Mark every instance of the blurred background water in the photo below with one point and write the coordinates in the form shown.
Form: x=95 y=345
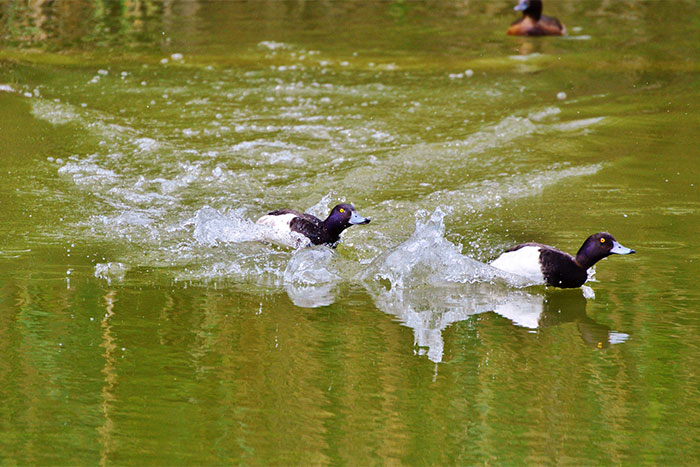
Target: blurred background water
x=143 y=320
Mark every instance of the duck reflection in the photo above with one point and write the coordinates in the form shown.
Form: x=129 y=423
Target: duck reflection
x=569 y=306
x=430 y=310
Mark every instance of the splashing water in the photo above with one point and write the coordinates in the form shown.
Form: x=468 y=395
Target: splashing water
x=212 y=227
x=147 y=184
x=311 y=266
x=427 y=257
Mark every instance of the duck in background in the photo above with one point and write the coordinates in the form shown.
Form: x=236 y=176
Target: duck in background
x=287 y=221
x=546 y=264
x=533 y=22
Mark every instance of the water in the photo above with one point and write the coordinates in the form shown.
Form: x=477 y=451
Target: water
x=145 y=320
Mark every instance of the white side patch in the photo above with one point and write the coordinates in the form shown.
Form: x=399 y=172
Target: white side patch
x=523 y=262
x=280 y=231
x=281 y=223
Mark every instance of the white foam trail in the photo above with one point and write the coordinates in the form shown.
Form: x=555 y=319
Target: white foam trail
x=86 y=172
x=151 y=208
x=540 y=115
x=54 y=112
x=483 y=148
x=575 y=125
x=427 y=257
x=212 y=227
x=492 y=193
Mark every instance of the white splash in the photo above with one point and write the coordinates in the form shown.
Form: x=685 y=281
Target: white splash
x=427 y=257
x=212 y=226
x=311 y=266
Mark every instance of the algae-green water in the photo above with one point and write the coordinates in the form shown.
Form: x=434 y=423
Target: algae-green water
x=144 y=322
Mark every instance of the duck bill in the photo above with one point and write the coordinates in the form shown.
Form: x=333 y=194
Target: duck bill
x=356 y=219
x=618 y=249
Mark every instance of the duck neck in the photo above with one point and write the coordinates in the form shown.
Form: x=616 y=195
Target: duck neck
x=534 y=10
x=333 y=229
x=583 y=260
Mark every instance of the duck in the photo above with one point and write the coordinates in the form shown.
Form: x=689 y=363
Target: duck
x=533 y=22
x=553 y=267
x=286 y=222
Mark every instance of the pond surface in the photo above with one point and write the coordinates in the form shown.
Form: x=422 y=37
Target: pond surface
x=143 y=320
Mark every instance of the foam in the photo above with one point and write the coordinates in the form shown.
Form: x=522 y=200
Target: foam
x=54 y=112
x=492 y=193
x=428 y=258
x=190 y=205
x=311 y=266
x=212 y=226
x=89 y=173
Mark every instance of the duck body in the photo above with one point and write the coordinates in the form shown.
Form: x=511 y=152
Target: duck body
x=286 y=222
x=553 y=267
x=534 y=23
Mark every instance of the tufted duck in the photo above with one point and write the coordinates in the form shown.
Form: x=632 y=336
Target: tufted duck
x=327 y=232
x=553 y=267
x=533 y=22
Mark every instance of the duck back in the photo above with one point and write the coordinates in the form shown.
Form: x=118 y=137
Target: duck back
x=545 y=26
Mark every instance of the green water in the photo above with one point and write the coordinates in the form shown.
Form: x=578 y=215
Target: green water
x=143 y=322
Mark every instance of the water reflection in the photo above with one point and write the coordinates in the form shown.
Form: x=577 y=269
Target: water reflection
x=429 y=311
x=108 y=397
x=74 y=22
x=104 y=21
x=569 y=306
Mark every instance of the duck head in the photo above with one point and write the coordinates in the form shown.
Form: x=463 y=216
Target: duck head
x=343 y=216
x=597 y=247
x=531 y=8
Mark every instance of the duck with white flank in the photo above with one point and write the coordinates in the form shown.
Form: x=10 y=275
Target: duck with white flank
x=546 y=264
x=318 y=232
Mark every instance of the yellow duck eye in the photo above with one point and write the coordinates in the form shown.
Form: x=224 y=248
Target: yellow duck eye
x=602 y=240
x=341 y=210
